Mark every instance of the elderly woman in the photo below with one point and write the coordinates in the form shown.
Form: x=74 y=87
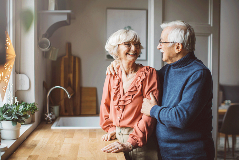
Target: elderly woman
x=123 y=93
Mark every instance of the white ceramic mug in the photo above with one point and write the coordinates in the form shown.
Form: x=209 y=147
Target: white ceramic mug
x=44 y=44
x=51 y=5
x=52 y=53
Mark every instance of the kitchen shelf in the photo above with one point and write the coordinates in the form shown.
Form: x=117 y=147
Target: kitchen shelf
x=50 y=21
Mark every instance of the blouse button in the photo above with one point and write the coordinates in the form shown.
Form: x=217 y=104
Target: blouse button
x=120 y=109
x=119 y=117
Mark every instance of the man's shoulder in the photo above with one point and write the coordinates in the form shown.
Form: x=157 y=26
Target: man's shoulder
x=198 y=65
x=200 y=70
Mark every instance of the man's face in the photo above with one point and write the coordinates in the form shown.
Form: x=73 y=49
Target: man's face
x=169 y=54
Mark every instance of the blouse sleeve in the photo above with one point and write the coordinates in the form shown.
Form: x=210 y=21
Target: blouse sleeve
x=105 y=122
x=146 y=125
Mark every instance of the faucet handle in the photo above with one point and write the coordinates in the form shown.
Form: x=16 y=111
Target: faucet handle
x=48 y=117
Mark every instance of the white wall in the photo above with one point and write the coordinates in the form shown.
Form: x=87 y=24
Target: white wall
x=229 y=40
x=87 y=34
x=29 y=60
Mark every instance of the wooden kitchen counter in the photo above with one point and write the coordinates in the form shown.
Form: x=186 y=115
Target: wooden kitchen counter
x=66 y=144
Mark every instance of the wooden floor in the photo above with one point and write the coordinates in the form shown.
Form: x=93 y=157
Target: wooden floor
x=45 y=143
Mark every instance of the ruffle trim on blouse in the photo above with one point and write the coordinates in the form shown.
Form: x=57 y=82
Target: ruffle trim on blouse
x=127 y=98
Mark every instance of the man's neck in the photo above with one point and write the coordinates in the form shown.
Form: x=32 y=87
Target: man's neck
x=182 y=54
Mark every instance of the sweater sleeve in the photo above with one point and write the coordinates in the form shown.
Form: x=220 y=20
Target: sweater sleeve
x=144 y=128
x=105 y=121
x=196 y=94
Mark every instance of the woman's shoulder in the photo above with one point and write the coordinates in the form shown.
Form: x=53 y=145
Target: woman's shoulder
x=147 y=69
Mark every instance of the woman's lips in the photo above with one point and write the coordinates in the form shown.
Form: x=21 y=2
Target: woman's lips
x=131 y=54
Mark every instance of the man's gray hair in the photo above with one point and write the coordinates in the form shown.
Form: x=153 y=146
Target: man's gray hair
x=181 y=32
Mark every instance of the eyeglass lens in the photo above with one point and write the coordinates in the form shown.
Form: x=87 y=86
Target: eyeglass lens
x=128 y=45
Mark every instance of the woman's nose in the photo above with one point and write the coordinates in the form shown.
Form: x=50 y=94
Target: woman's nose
x=132 y=47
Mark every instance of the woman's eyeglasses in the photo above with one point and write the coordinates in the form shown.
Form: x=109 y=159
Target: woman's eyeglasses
x=128 y=45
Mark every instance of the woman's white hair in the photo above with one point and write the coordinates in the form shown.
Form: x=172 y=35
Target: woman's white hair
x=181 y=32
x=119 y=37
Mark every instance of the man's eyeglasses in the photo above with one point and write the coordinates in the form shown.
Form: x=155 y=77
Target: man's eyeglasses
x=128 y=45
x=160 y=41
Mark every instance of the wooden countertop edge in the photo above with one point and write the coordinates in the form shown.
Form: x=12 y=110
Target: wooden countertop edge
x=44 y=143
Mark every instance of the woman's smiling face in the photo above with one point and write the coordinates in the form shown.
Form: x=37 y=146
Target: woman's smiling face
x=129 y=51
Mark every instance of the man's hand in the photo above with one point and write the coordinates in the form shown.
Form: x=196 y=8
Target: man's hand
x=118 y=147
x=109 y=136
x=113 y=67
x=148 y=104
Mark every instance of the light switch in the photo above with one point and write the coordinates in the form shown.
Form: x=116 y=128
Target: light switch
x=22 y=82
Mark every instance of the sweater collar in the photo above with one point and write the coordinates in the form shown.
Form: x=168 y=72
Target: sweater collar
x=190 y=57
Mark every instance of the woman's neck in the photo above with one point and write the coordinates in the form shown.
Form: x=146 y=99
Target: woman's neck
x=129 y=67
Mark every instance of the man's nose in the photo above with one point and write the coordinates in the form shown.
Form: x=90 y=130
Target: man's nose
x=159 y=46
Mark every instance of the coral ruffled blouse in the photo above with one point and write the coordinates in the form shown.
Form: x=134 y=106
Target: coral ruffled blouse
x=124 y=110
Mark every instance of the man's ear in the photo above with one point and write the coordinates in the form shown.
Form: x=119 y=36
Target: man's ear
x=178 y=47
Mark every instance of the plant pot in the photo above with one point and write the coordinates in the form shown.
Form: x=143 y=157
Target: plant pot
x=8 y=131
x=29 y=120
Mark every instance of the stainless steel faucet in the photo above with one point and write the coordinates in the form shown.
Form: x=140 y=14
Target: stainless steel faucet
x=49 y=115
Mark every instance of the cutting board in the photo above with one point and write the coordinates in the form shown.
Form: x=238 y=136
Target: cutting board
x=66 y=73
x=88 y=100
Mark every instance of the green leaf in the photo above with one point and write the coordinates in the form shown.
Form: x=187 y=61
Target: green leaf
x=26 y=116
x=17 y=113
x=1 y=108
x=14 y=123
x=27 y=18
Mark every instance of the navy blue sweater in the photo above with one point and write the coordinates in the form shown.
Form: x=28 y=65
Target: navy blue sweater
x=185 y=116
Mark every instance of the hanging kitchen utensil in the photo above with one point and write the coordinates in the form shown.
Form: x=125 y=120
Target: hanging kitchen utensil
x=66 y=73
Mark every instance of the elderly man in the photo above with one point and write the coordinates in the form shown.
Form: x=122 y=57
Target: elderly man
x=184 y=119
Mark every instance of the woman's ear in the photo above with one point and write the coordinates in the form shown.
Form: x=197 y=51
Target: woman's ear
x=178 y=47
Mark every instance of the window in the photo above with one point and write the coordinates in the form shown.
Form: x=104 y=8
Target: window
x=7 y=8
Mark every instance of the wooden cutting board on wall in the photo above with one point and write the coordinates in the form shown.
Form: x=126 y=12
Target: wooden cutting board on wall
x=66 y=73
x=88 y=100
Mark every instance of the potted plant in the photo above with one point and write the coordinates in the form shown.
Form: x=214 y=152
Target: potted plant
x=28 y=108
x=11 y=118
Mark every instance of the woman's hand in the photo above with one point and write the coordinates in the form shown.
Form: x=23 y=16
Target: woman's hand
x=113 y=67
x=118 y=147
x=109 y=136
